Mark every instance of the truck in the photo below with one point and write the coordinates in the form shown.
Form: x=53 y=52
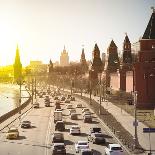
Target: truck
x=57 y=116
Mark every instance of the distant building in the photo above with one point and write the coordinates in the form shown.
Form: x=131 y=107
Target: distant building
x=37 y=67
x=144 y=67
x=64 y=58
x=113 y=59
x=84 y=65
x=97 y=65
x=17 y=66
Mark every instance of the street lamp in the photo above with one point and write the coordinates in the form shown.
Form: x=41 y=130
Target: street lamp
x=91 y=72
x=135 y=120
x=20 y=82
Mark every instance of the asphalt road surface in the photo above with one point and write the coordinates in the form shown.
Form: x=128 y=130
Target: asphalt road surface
x=37 y=139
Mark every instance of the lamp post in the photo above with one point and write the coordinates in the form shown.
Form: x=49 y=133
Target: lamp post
x=20 y=82
x=90 y=85
x=100 y=76
x=135 y=119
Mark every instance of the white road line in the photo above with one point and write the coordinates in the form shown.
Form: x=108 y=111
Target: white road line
x=47 y=139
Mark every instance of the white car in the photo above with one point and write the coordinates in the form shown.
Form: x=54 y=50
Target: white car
x=114 y=149
x=81 y=145
x=75 y=130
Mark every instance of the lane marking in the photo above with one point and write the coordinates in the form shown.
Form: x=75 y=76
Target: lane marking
x=47 y=139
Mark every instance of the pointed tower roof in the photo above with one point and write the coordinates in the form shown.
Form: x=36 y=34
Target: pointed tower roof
x=17 y=57
x=126 y=40
x=83 y=54
x=112 y=44
x=96 y=47
x=51 y=62
x=150 y=29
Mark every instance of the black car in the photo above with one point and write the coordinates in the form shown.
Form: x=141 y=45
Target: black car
x=95 y=129
x=57 y=137
x=26 y=124
x=58 y=148
x=60 y=126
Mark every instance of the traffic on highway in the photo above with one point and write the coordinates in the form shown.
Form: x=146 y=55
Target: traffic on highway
x=57 y=124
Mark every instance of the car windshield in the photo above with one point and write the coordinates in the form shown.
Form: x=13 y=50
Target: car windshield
x=82 y=143
x=75 y=127
x=116 y=148
x=86 y=153
x=13 y=130
x=26 y=121
x=59 y=147
x=98 y=135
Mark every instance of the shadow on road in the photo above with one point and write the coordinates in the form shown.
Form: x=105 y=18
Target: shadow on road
x=68 y=142
x=107 y=136
x=70 y=123
x=95 y=152
x=83 y=135
x=94 y=122
x=21 y=137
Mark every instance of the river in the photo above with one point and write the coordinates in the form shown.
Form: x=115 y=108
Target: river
x=9 y=97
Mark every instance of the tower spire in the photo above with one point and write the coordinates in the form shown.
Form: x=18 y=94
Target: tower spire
x=17 y=66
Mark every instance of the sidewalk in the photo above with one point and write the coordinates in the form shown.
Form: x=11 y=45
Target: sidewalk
x=127 y=122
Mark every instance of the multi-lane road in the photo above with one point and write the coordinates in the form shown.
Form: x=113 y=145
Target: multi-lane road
x=37 y=139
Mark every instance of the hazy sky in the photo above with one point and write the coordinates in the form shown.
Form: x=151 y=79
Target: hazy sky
x=42 y=27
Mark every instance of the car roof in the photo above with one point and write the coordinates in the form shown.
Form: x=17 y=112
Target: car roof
x=114 y=145
x=82 y=141
x=57 y=144
x=86 y=150
x=73 y=126
x=13 y=128
x=26 y=121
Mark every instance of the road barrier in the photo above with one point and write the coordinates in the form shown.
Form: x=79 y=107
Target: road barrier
x=14 y=111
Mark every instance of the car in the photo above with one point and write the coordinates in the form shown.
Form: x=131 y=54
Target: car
x=57 y=107
x=57 y=137
x=67 y=101
x=96 y=138
x=69 y=96
x=26 y=124
x=87 y=118
x=81 y=145
x=86 y=113
x=114 y=149
x=79 y=105
x=60 y=126
x=63 y=98
x=95 y=129
x=69 y=106
x=74 y=116
x=36 y=105
x=57 y=102
x=58 y=148
x=86 y=152
x=85 y=109
x=72 y=111
x=56 y=98
x=72 y=98
x=75 y=130
x=13 y=133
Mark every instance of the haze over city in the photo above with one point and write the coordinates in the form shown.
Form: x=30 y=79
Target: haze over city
x=41 y=28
